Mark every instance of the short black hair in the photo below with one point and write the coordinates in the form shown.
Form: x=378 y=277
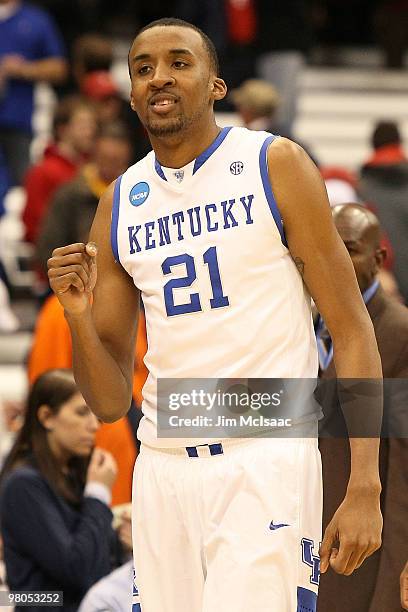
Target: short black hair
x=208 y=43
x=385 y=133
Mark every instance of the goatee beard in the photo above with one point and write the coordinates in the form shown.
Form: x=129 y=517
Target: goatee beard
x=173 y=126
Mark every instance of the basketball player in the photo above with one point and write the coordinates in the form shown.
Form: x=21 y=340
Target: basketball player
x=220 y=231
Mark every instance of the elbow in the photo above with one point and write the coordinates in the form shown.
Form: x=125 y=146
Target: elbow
x=109 y=414
x=112 y=418
x=109 y=402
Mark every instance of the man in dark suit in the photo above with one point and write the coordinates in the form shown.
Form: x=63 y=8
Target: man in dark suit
x=375 y=586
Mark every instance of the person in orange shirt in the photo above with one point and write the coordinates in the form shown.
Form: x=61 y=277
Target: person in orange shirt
x=52 y=348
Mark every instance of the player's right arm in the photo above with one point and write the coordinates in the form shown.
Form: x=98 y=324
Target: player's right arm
x=104 y=333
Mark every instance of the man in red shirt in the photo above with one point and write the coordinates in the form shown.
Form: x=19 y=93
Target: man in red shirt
x=74 y=135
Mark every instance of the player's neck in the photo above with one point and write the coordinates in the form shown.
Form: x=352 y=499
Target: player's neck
x=180 y=149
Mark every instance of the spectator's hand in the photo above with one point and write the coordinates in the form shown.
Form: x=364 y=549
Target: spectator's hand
x=102 y=468
x=125 y=532
x=357 y=526
x=404 y=587
x=72 y=275
x=14 y=67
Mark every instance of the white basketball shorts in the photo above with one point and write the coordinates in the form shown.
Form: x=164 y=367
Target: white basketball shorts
x=233 y=526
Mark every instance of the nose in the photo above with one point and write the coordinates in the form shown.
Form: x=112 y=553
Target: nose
x=93 y=424
x=161 y=77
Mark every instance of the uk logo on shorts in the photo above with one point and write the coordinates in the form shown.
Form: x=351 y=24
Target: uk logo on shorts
x=312 y=560
x=139 y=194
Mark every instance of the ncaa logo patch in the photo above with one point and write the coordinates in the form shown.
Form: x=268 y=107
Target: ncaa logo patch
x=139 y=194
x=236 y=167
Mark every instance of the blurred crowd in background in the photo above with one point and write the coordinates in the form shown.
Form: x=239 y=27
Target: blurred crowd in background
x=58 y=153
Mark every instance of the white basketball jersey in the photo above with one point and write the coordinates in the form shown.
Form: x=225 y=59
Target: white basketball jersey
x=205 y=245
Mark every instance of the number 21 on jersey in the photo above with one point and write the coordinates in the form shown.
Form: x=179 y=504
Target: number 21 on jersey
x=218 y=300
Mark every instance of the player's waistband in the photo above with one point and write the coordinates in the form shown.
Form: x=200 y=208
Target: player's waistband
x=219 y=448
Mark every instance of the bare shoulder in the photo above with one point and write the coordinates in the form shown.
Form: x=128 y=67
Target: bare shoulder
x=104 y=210
x=101 y=227
x=285 y=148
x=100 y=232
x=296 y=181
x=286 y=156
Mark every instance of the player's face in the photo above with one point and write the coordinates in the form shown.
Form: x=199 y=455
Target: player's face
x=71 y=431
x=173 y=85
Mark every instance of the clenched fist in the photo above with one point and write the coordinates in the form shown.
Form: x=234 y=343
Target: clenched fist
x=72 y=275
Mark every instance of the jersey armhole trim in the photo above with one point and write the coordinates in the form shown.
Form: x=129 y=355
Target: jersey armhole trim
x=115 y=218
x=263 y=165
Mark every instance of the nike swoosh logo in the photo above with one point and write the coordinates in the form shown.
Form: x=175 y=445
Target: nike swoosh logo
x=272 y=526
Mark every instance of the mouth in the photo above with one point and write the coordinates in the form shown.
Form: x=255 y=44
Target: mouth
x=89 y=443
x=162 y=104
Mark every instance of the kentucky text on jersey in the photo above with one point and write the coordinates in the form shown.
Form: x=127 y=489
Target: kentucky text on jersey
x=175 y=227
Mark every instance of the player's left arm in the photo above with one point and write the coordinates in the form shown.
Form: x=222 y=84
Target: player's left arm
x=327 y=270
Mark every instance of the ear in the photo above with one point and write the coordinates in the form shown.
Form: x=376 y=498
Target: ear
x=219 y=89
x=132 y=103
x=46 y=417
x=380 y=257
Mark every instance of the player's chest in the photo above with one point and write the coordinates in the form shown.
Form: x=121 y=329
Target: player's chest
x=187 y=223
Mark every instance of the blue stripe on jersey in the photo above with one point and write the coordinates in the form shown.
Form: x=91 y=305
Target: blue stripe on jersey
x=115 y=218
x=263 y=164
x=202 y=158
x=159 y=169
x=306 y=600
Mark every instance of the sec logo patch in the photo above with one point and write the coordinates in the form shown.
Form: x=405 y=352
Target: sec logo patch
x=139 y=194
x=236 y=168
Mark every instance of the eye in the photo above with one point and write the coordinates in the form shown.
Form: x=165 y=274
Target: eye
x=83 y=411
x=144 y=70
x=179 y=64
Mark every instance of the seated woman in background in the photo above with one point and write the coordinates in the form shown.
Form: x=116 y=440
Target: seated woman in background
x=55 y=491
